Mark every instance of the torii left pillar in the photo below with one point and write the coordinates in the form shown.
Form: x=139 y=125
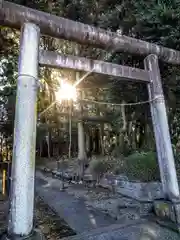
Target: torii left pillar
x=20 y=223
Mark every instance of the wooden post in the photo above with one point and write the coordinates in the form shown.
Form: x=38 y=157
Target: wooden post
x=161 y=130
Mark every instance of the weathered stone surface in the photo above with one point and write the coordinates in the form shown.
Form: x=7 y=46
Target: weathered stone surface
x=14 y=16
x=167 y=210
x=136 y=230
x=141 y=191
x=36 y=235
x=138 y=190
x=73 y=210
x=121 y=209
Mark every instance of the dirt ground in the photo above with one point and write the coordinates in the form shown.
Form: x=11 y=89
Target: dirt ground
x=112 y=204
x=44 y=219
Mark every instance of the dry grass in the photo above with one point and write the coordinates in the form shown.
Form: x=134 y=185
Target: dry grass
x=49 y=223
x=45 y=219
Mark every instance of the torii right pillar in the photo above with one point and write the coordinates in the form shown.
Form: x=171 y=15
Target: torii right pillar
x=163 y=144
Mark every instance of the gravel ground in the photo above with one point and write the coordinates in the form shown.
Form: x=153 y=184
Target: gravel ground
x=3 y=213
x=112 y=204
x=120 y=208
x=49 y=223
x=45 y=219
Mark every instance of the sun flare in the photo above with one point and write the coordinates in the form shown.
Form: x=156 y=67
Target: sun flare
x=66 y=92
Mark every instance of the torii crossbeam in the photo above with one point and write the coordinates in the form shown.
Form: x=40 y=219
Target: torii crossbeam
x=13 y=15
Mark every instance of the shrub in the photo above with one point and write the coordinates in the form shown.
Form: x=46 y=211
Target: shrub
x=62 y=164
x=140 y=166
x=115 y=163
x=98 y=167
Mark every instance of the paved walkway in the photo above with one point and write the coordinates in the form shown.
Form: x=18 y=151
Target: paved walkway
x=136 y=230
x=74 y=211
x=91 y=224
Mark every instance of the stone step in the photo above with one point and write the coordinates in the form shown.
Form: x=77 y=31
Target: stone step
x=135 y=230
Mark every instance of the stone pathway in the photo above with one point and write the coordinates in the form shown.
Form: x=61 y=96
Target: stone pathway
x=136 y=230
x=74 y=211
x=92 y=224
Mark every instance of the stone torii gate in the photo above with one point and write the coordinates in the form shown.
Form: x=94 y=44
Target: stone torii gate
x=33 y=23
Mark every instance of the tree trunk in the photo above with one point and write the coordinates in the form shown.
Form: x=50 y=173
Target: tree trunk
x=81 y=148
x=40 y=148
x=1 y=147
x=81 y=142
x=7 y=150
x=70 y=129
x=102 y=138
x=48 y=144
x=81 y=139
x=150 y=141
x=134 y=138
x=88 y=141
x=97 y=141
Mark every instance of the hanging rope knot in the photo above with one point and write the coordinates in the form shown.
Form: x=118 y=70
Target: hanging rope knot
x=159 y=97
x=37 y=85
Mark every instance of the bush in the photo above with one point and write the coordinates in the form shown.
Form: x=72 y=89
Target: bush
x=140 y=166
x=62 y=164
x=98 y=167
x=176 y=153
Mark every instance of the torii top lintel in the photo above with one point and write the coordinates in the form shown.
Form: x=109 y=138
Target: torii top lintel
x=13 y=15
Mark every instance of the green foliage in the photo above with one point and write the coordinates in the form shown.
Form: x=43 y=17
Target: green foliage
x=98 y=167
x=63 y=164
x=176 y=154
x=115 y=164
x=155 y=21
x=140 y=166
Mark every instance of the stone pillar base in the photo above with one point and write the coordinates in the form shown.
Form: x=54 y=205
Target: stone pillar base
x=168 y=213
x=35 y=235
